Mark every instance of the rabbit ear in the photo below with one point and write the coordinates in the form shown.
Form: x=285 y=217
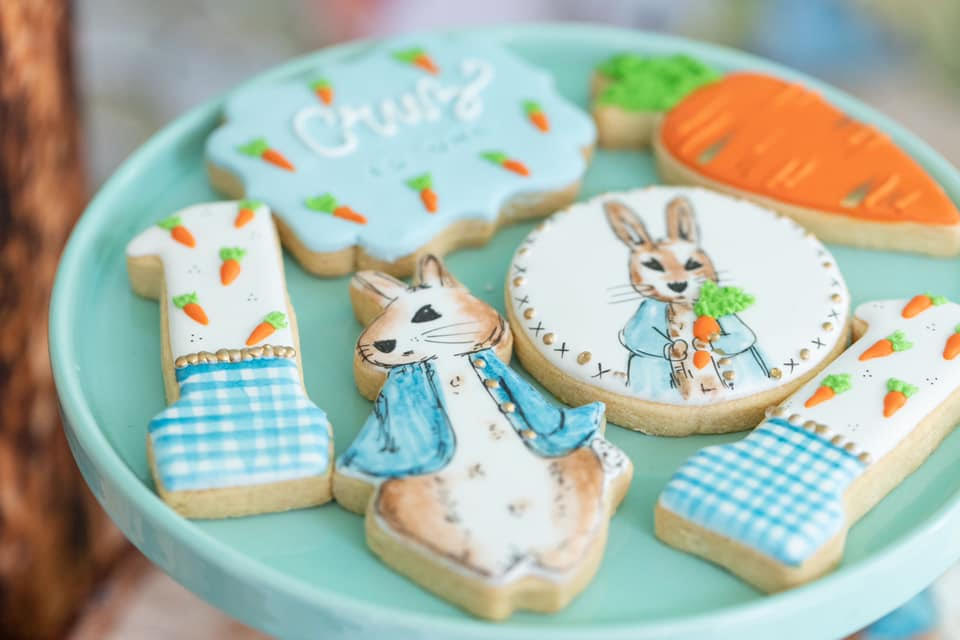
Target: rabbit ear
x=371 y=291
x=626 y=224
x=681 y=221
x=431 y=272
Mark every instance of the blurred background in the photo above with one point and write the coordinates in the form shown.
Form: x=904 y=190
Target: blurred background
x=83 y=84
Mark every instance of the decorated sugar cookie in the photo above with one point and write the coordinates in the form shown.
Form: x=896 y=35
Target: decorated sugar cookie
x=684 y=310
x=784 y=146
x=413 y=146
x=473 y=484
x=775 y=507
x=240 y=435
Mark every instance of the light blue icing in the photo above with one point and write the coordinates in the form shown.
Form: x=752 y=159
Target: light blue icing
x=238 y=424
x=649 y=370
x=372 y=179
x=779 y=490
x=409 y=431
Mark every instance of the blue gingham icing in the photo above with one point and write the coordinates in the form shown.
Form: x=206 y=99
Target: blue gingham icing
x=779 y=490
x=237 y=424
x=475 y=104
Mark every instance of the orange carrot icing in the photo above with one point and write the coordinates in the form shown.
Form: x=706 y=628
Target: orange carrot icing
x=780 y=140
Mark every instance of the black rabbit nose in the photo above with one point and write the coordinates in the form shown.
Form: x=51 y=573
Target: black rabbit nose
x=385 y=346
x=677 y=286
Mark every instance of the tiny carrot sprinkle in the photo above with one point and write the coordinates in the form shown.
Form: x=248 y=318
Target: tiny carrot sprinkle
x=230 y=268
x=271 y=322
x=920 y=303
x=327 y=203
x=190 y=305
x=829 y=387
x=952 y=348
x=701 y=359
x=178 y=232
x=259 y=148
x=424 y=185
x=245 y=212
x=323 y=90
x=893 y=343
x=536 y=115
x=505 y=161
x=418 y=57
x=898 y=392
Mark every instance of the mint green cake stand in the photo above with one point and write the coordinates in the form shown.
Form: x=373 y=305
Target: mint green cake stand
x=308 y=574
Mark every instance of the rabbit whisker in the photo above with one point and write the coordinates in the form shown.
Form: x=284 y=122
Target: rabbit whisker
x=626 y=300
x=450 y=341
x=452 y=335
x=448 y=326
x=619 y=286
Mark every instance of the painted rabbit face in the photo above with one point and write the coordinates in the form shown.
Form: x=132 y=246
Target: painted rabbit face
x=435 y=318
x=671 y=270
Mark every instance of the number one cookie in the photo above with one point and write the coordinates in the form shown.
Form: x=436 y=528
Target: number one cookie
x=240 y=435
x=775 y=507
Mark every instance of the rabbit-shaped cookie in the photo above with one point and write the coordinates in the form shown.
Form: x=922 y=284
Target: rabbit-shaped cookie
x=473 y=485
x=676 y=337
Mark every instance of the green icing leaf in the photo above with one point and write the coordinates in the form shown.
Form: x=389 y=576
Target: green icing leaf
x=249 y=204
x=530 y=107
x=421 y=182
x=899 y=385
x=183 y=300
x=838 y=382
x=640 y=83
x=898 y=340
x=170 y=223
x=716 y=301
x=232 y=253
x=408 y=55
x=324 y=203
x=937 y=300
x=320 y=83
x=255 y=147
x=277 y=319
x=956 y=329
x=496 y=157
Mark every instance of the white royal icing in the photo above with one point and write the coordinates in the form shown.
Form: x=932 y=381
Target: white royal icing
x=233 y=310
x=573 y=273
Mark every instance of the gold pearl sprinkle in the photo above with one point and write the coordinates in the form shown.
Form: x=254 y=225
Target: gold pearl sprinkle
x=508 y=407
x=724 y=362
x=529 y=313
x=779 y=412
x=256 y=352
x=267 y=351
x=821 y=429
x=827 y=265
x=193 y=359
x=810 y=424
x=491 y=383
x=223 y=355
x=828 y=326
x=235 y=355
x=836 y=298
x=549 y=338
x=865 y=457
x=804 y=354
x=836 y=440
x=523 y=251
x=529 y=434
x=480 y=362
x=850 y=447
x=775 y=373
x=583 y=357
x=768 y=412
x=729 y=375
x=180 y=362
x=795 y=418
x=519 y=281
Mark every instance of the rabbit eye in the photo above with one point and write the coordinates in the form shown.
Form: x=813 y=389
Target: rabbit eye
x=426 y=313
x=692 y=264
x=653 y=263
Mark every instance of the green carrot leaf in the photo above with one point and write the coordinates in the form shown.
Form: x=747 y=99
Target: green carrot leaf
x=277 y=319
x=903 y=387
x=530 y=107
x=496 y=157
x=232 y=253
x=408 y=55
x=898 y=340
x=255 y=147
x=838 y=382
x=937 y=300
x=320 y=83
x=716 y=301
x=170 y=223
x=324 y=203
x=421 y=182
x=184 y=299
x=249 y=204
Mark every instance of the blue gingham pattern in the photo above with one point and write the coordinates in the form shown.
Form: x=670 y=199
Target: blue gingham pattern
x=238 y=424
x=779 y=490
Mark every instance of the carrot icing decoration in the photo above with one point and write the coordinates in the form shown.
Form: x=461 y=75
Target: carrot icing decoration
x=898 y=392
x=780 y=140
x=894 y=343
x=190 y=305
x=536 y=115
x=323 y=90
x=920 y=303
x=258 y=148
x=505 y=161
x=271 y=322
x=178 y=232
x=423 y=184
x=245 y=212
x=830 y=386
x=418 y=57
x=230 y=268
x=952 y=349
x=327 y=203
x=715 y=302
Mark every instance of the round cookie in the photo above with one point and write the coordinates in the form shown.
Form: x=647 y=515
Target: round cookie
x=684 y=310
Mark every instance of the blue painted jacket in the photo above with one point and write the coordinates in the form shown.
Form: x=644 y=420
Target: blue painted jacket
x=648 y=367
x=409 y=432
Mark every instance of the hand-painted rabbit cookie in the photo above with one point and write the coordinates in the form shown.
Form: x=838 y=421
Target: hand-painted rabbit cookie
x=775 y=507
x=683 y=310
x=473 y=484
x=412 y=147
x=240 y=435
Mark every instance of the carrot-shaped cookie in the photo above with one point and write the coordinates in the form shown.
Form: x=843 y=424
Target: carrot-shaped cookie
x=189 y=304
x=245 y=211
x=178 y=232
x=327 y=203
x=893 y=343
x=259 y=148
x=830 y=386
x=418 y=57
x=898 y=392
x=536 y=115
x=423 y=184
x=230 y=268
x=323 y=89
x=505 y=161
x=714 y=302
x=952 y=349
x=920 y=303
x=273 y=321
